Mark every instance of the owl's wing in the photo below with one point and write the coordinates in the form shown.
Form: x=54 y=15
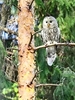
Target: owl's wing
x=58 y=48
x=51 y=51
x=41 y=34
x=59 y=34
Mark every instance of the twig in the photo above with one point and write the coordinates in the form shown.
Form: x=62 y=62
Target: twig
x=31 y=4
x=34 y=77
x=30 y=39
x=54 y=44
x=31 y=81
x=11 y=48
x=37 y=32
x=8 y=31
x=40 y=85
x=8 y=59
x=8 y=52
x=16 y=7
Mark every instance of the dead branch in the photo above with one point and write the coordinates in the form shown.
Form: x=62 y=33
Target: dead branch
x=8 y=31
x=12 y=48
x=37 y=72
x=54 y=44
x=40 y=85
x=8 y=52
x=30 y=6
x=37 y=32
x=6 y=58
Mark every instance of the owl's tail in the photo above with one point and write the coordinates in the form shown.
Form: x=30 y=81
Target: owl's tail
x=51 y=59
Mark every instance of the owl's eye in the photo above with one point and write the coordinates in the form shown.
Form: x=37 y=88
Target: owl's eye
x=50 y=21
x=46 y=22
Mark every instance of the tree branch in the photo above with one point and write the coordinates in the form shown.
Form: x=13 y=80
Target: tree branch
x=40 y=85
x=54 y=44
x=12 y=48
x=37 y=32
x=8 y=31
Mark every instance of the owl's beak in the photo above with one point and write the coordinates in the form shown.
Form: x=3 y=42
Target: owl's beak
x=48 y=25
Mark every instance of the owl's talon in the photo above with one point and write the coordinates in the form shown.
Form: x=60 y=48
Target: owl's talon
x=49 y=42
x=54 y=42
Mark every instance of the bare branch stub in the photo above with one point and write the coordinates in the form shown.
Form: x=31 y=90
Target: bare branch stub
x=30 y=5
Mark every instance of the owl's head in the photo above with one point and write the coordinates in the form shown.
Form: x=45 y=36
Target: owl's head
x=49 y=22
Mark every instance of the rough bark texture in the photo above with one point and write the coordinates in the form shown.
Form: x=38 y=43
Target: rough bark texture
x=26 y=56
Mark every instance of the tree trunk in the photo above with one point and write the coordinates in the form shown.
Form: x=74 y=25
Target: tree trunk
x=26 y=54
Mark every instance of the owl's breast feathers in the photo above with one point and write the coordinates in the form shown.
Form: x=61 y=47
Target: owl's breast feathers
x=50 y=34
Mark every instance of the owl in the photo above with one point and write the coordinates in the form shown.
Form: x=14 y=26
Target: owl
x=50 y=34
